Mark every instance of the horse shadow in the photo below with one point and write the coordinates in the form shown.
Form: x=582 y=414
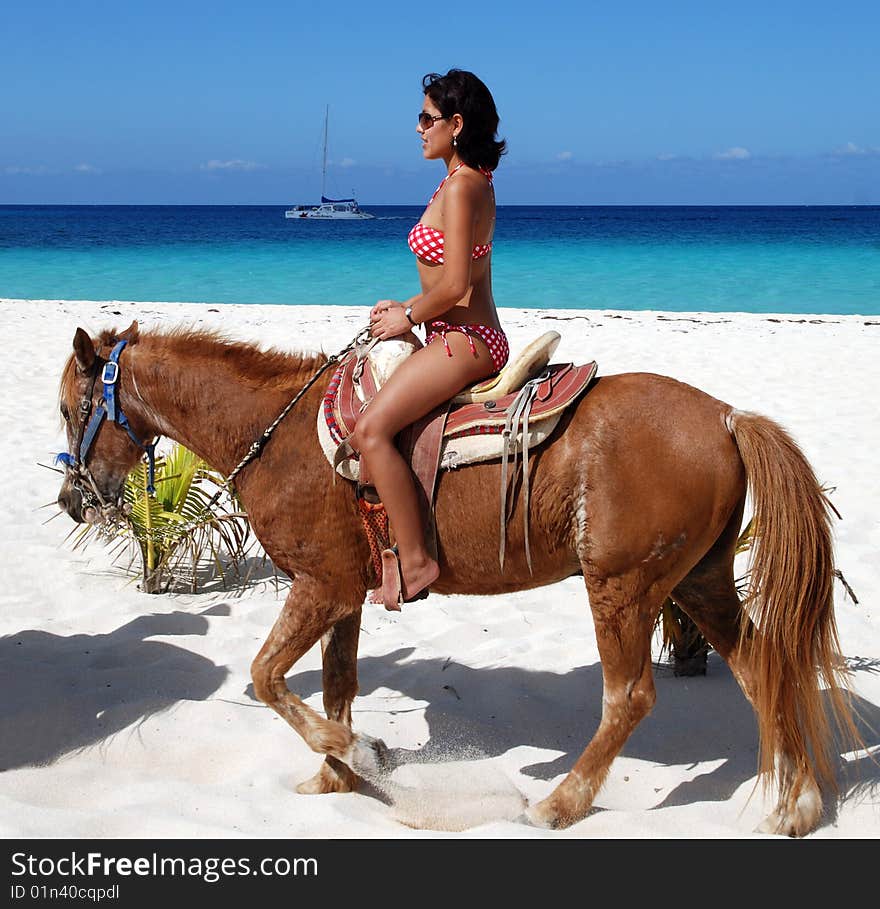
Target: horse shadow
x=65 y=693
x=474 y=713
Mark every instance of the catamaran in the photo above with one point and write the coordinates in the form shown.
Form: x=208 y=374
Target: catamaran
x=337 y=209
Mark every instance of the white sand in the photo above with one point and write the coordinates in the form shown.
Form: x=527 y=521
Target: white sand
x=128 y=715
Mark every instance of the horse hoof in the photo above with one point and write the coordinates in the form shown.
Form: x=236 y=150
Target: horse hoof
x=797 y=819
x=368 y=757
x=329 y=779
x=523 y=820
x=776 y=825
x=538 y=816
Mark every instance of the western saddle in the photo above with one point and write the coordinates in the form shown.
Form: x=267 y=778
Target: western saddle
x=498 y=419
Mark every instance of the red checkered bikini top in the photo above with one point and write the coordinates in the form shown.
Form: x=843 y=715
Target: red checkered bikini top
x=427 y=242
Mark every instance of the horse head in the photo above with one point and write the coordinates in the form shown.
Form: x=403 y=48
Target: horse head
x=99 y=457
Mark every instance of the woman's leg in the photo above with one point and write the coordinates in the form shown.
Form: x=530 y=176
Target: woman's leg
x=422 y=382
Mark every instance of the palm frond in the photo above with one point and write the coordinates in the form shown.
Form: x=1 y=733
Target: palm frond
x=175 y=535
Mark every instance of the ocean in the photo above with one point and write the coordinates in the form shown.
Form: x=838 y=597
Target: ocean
x=779 y=259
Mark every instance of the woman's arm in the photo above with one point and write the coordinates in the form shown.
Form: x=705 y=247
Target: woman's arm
x=461 y=201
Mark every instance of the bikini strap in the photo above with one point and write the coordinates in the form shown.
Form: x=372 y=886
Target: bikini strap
x=484 y=171
x=443 y=181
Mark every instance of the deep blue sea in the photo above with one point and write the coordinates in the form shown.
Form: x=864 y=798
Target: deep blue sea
x=798 y=259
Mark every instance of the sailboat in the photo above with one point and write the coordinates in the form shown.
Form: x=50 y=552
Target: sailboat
x=329 y=209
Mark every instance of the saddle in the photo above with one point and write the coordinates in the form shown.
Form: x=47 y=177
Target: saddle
x=505 y=416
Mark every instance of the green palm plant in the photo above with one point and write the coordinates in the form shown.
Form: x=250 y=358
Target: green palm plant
x=180 y=530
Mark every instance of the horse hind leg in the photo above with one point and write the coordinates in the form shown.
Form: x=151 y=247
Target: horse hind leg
x=708 y=595
x=624 y=622
x=339 y=659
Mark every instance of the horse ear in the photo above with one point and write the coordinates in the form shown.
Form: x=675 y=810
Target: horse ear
x=131 y=334
x=84 y=350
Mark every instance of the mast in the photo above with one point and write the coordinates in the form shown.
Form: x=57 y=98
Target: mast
x=324 y=167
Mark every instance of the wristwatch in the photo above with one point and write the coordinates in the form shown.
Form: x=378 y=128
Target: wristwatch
x=408 y=313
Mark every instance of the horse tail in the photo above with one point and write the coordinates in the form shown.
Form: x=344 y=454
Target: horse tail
x=791 y=643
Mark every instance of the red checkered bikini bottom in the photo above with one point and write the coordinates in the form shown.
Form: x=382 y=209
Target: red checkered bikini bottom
x=494 y=339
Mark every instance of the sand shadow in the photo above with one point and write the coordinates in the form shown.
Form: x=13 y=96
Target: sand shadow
x=479 y=713
x=63 y=693
x=232 y=578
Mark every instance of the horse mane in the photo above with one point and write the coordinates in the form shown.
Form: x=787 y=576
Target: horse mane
x=253 y=364
x=249 y=360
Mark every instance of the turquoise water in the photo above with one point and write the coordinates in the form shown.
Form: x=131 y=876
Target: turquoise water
x=763 y=259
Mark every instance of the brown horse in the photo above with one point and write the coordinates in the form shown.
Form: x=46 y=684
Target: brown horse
x=640 y=490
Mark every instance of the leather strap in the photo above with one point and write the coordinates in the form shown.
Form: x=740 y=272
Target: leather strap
x=421 y=444
x=517 y=413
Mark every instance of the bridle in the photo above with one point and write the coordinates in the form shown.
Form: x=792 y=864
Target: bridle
x=90 y=423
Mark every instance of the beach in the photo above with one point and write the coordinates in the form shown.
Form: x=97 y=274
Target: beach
x=133 y=716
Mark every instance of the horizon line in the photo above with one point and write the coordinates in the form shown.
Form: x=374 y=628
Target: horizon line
x=364 y=205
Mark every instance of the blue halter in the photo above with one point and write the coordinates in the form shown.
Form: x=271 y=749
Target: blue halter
x=109 y=408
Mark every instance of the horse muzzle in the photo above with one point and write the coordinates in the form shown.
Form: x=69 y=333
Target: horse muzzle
x=86 y=506
x=70 y=500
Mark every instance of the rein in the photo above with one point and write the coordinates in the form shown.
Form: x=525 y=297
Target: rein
x=259 y=444
x=257 y=447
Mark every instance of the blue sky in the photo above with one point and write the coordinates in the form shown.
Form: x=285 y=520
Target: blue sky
x=624 y=103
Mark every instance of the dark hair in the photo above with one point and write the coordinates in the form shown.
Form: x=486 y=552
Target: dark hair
x=461 y=92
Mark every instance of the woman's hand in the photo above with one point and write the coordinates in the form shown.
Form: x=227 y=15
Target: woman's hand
x=388 y=320
x=382 y=306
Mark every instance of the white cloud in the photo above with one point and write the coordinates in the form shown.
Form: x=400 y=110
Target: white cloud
x=347 y=162
x=38 y=171
x=235 y=164
x=565 y=156
x=733 y=154
x=667 y=157
x=851 y=149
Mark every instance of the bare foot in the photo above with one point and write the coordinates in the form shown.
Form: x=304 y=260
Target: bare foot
x=419 y=578
x=399 y=586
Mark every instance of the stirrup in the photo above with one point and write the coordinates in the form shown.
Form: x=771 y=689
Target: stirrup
x=392 y=582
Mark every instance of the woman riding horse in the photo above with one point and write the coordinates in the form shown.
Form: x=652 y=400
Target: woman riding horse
x=453 y=247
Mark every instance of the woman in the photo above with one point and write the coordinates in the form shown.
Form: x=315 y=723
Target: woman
x=464 y=342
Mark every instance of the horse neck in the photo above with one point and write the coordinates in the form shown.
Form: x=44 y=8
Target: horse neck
x=212 y=397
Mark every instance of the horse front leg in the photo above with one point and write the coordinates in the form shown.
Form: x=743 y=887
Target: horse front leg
x=310 y=611
x=340 y=685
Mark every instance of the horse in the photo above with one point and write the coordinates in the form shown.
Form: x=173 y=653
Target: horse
x=640 y=490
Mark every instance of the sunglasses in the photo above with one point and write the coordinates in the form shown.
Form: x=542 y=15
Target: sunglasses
x=426 y=120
